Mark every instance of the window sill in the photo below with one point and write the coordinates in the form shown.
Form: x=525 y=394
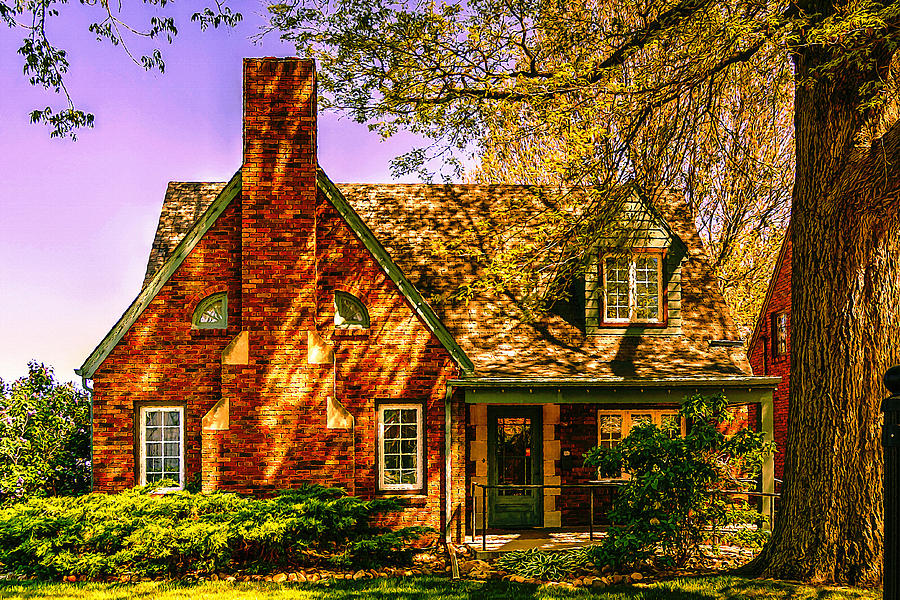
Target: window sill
x=409 y=494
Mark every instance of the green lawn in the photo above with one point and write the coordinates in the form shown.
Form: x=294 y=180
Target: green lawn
x=700 y=588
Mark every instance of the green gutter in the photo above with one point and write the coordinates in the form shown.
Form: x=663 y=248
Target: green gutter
x=201 y=226
x=409 y=291
x=614 y=382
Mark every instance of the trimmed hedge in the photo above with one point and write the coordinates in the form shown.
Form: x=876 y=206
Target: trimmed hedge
x=150 y=535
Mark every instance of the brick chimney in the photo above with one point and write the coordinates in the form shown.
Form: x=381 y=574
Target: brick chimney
x=278 y=202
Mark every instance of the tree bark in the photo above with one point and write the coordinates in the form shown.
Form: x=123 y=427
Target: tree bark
x=845 y=332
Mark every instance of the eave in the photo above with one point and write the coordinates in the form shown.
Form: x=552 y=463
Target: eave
x=612 y=390
x=409 y=291
x=231 y=190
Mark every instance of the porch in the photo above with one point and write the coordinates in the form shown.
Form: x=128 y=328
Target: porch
x=532 y=437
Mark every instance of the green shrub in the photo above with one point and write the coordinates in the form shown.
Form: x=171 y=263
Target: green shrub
x=45 y=439
x=674 y=500
x=549 y=566
x=151 y=535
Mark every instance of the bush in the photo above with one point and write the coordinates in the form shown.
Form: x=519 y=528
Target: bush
x=549 y=566
x=45 y=440
x=151 y=535
x=674 y=500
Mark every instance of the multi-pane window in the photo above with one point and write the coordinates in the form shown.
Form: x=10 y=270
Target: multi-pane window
x=211 y=312
x=349 y=311
x=631 y=288
x=400 y=447
x=779 y=334
x=615 y=425
x=162 y=444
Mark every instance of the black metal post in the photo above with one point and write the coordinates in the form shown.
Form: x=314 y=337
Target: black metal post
x=890 y=439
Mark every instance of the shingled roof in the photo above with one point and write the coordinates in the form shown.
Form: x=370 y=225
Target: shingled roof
x=417 y=222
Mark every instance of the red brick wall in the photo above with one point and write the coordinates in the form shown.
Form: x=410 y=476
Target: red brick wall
x=760 y=353
x=161 y=359
x=281 y=252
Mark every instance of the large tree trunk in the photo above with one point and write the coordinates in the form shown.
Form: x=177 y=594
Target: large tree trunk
x=845 y=320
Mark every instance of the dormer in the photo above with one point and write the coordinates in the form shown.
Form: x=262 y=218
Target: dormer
x=633 y=282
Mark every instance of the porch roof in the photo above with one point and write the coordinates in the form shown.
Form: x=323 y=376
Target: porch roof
x=612 y=390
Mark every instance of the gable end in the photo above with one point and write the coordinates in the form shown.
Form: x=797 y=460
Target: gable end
x=168 y=268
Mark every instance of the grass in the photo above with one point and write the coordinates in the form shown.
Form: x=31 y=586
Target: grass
x=693 y=588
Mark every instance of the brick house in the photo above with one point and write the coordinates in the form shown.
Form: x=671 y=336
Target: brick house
x=293 y=330
x=769 y=349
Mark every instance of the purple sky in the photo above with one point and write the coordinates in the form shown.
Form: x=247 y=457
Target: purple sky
x=77 y=218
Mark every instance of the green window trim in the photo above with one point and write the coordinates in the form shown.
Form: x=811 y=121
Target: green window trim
x=349 y=311
x=211 y=312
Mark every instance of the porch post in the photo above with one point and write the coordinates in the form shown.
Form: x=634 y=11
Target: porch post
x=767 y=422
x=448 y=480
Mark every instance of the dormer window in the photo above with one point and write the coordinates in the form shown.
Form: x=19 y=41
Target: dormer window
x=632 y=288
x=349 y=311
x=211 y=312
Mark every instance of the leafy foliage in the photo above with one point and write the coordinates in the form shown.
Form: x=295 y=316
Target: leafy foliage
x=147 y=534
x=621 y=98
x=675 y=495
x=45 y=440
x=46 y=65
x=549 y=566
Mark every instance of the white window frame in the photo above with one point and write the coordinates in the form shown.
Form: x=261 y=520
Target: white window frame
x=420 y=447
x=142 y=428
x=632 y=288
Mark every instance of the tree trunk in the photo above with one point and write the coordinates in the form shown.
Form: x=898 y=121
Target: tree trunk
x=845 y=332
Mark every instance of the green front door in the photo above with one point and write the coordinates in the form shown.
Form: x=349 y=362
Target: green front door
x=515 y=440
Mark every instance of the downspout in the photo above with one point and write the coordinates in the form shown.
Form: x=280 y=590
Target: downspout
x=84 y=384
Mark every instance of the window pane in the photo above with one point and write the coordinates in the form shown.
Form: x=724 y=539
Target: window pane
x=640 y=419
x=408 y=415
x=392 y=447
x=151 y=477
x=171 y=434
x=670 y=424
x=408 y=477
x=391 y=462
x=171 y=465
x=173 y=418
x=408 y=461
x=152 y=418
x=214 y=312
x=154 y=434
x=616 y=272
x=646 y=288
x=154 y=465
x=391 y=415
x=408 y=431
x=154 y=449
x=171 y=448
x=610 y=430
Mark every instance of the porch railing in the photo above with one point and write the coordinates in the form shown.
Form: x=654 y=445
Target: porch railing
x=592 y=486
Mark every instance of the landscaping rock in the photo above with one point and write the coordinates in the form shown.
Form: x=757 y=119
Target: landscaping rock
x=636 y=576
x=280 y=578
x=359 y=575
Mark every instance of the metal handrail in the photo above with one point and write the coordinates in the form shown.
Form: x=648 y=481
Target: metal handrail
x=484 y=506
x=593 y=485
